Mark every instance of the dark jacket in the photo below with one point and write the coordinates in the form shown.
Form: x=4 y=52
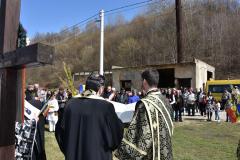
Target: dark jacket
x=61 y=100
x=29 y=95
x=122 y=98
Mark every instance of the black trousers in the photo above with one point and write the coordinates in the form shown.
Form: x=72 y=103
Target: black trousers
x=178 y=112
x=223 y=104
x=191 y=107
x=227 y=117
x=209 y=115
x=202 y=108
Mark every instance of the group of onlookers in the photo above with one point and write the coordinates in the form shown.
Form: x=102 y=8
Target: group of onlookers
x=124 y=97
x=192 y=101
x=184 y=100
x=56 y=100
x=189 y=101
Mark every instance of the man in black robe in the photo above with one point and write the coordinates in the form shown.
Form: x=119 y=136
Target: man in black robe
x=39 y=143
x=90 y=128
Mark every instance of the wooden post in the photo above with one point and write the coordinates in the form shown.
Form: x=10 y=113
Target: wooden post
x=12 y=77
x=9 y=22
x=179 y=30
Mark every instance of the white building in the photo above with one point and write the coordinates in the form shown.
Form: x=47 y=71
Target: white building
x=189 y=74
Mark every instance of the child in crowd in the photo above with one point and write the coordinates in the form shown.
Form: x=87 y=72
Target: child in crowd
x=217 y=110
x=210 y=106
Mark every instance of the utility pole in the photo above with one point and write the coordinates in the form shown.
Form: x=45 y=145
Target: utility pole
x=179 y=30
x=101 y=70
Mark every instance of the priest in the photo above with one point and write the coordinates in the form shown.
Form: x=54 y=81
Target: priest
x=39 y=143
x=89 y=128
x=149 y=134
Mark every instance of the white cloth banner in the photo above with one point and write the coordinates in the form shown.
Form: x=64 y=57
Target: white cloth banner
x=30 y=111
x=124 y=111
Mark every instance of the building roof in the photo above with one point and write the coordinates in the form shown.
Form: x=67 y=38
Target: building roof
x=193 y=62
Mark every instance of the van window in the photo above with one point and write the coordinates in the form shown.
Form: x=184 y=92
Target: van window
x=218 y=88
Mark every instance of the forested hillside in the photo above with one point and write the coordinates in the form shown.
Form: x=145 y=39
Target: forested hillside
x=211 y=32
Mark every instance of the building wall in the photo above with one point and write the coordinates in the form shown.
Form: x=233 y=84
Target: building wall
x=133 y=75
x=186 y=71
x=201 y=73
x=197 y=71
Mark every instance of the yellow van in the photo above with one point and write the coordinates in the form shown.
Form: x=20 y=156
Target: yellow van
x=217 y=87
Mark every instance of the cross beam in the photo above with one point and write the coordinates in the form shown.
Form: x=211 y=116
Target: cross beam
x=30 y=56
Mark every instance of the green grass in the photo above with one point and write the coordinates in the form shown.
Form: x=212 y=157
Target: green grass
x=206 y=141
x=191 y=141
x=52 y=150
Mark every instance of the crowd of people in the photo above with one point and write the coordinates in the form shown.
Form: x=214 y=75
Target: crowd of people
x=122 y=96
x=57 y=99
x=184 y=101
x=190 y=101
x=181 y=101
x=95 y=116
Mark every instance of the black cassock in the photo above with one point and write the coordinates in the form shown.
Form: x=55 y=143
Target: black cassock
x=39 y=144
x=89 y=130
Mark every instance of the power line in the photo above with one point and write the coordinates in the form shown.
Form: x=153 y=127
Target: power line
x=109 y=13
x=75 y=25
x=81 y=23
x=130 y=5
x=89 y=19
x=131 y=8
x=157 y=14
x=71 y=36
x=119 y=8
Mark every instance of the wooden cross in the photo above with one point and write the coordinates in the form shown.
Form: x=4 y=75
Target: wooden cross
x=12 y=61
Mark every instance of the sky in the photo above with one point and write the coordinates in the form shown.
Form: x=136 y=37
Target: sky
x=42 y=16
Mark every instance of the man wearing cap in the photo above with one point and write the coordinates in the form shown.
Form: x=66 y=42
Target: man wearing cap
x=90 y=128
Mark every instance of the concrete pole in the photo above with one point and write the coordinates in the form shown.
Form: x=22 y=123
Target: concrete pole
x=101 y=70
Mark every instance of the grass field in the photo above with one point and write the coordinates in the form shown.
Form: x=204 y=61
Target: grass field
x=206 y=141
x=192 y=140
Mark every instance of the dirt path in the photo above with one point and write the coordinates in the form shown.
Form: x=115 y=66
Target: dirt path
x=198 y=118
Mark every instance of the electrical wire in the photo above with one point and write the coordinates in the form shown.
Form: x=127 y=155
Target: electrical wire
x=127 y=6
x=86 y=20
x=91 y=18
x=128 y=9
x=83 y=22
x=157 y=14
